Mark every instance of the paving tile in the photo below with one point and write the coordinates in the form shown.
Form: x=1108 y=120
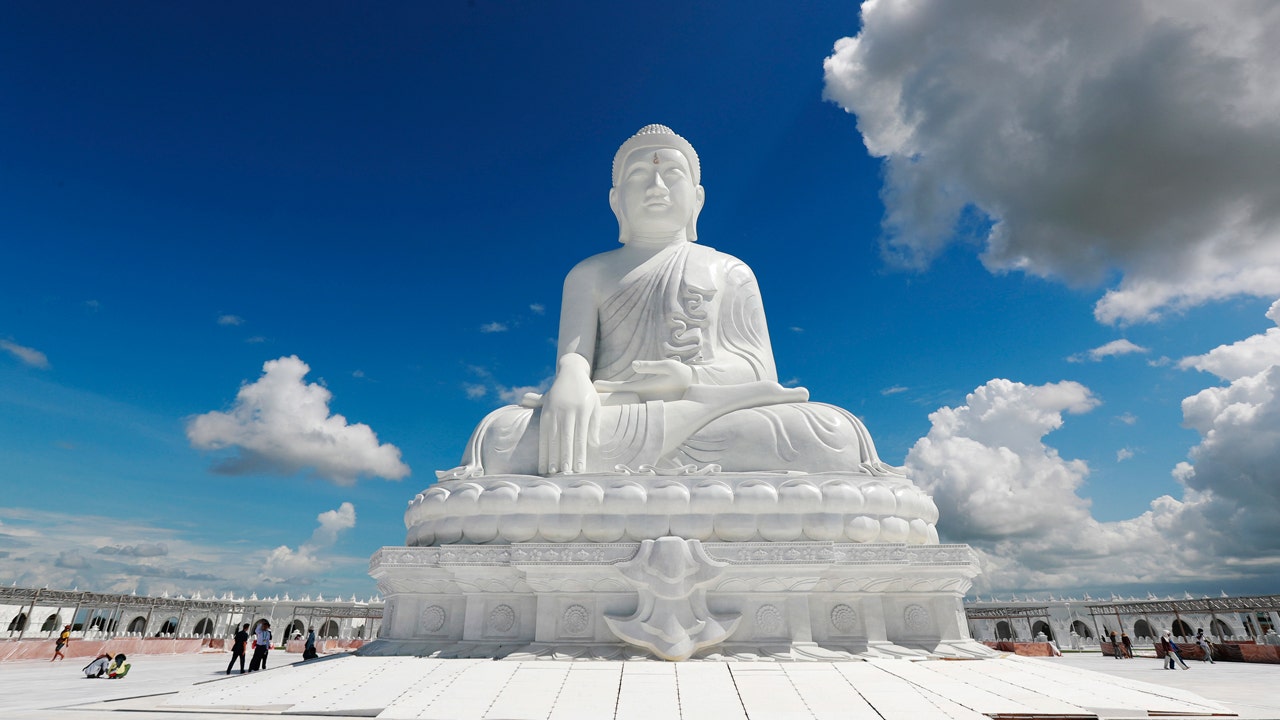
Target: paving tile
x=590 y=692
x=827 y=693
x=767 y=694
x=648 y=691
x=898 y=699
x=955 y=681
x=708 y=690
x=1090 y=691
x=531 y=693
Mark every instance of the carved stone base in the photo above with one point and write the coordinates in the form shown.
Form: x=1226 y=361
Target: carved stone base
x=676 y=599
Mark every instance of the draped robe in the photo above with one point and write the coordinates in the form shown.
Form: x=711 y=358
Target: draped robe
x=703 y=308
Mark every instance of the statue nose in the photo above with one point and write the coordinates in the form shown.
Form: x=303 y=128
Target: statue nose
x=657 y=187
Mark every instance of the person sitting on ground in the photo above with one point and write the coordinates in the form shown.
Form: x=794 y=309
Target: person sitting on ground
x=98 y=666
x=104 y=664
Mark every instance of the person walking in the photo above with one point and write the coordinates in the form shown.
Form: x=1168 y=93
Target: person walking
x=64 y=639
x=261 y=646
x=237 y=648
x=1117 y=650
x=1171 y=652
x=309 y=651
x=1128 y=645
x=1203 y=643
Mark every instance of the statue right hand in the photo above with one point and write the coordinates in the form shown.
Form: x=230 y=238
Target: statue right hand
x=569 y=421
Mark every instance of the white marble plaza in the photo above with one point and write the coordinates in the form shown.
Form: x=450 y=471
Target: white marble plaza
x=343 y=686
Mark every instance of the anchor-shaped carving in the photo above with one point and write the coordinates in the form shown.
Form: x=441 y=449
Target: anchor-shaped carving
x=672 y=620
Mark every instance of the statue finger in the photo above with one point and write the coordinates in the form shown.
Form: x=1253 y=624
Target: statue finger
x=565 y=444
x=652 y=367
x=612 y=385
x=578 y=459
x=546 y=438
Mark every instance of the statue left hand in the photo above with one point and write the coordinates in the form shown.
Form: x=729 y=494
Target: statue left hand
x=662 y=379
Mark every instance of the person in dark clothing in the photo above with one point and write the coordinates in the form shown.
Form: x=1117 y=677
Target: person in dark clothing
x=309 y=651
x=237 y=648
x=1128 y=645
x=1117 y=650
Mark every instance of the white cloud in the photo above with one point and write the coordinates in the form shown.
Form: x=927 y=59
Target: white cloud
x=333 y=522
x=1247 y=357
x=893 y=390
x=513 y=395
x=1124 y=454
x=286 y=566
x=357 y=373
x=538 y=308
x=1002 y=489
x=1111 y=349
x=475 y=390
x=281 y=424
x=493 y=327
x=1137 y=137
x=1127 y=418
x=105 y=554
x=27 y=355
x=230 y=320
x=986 y=464
x=1235 y=464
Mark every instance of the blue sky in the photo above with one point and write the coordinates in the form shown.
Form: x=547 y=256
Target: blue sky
x=392 y=194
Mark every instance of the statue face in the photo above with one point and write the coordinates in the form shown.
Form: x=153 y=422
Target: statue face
x=656 y=194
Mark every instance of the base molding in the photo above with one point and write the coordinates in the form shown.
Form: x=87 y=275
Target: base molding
x=676 y=599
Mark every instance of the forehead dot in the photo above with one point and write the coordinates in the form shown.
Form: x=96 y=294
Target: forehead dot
x=655 y=158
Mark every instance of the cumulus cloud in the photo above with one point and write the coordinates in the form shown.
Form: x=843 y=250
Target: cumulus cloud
x=281 y=424
x=284 y=565
x=29 y=356
x=1111 y=349
x=1138 y=138
x=1001 y=488
x=986 y=463
x=230 y=320
x=1234 y=465
x=1247 y=357
x=493 y=327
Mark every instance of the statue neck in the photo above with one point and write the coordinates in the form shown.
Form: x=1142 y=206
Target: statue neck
x=656 y=241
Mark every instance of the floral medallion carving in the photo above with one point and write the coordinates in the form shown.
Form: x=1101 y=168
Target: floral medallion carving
x=501 y=619
x=575 y=620
x=844 y=619
x=769 y=621
x=916 y=619
x=433 y=618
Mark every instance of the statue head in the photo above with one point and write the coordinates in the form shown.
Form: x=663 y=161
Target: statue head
x=656 y=185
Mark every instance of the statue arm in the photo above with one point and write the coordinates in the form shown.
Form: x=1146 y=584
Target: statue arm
x=571 y=407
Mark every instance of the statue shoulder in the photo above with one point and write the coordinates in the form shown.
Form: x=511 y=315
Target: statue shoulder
x=727 y=265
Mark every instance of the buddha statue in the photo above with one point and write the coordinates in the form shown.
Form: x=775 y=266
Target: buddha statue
x=664 y=355
x=665 y=369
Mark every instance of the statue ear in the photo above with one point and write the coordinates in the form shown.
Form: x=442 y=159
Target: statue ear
x=691 y=230
x=615 y=203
